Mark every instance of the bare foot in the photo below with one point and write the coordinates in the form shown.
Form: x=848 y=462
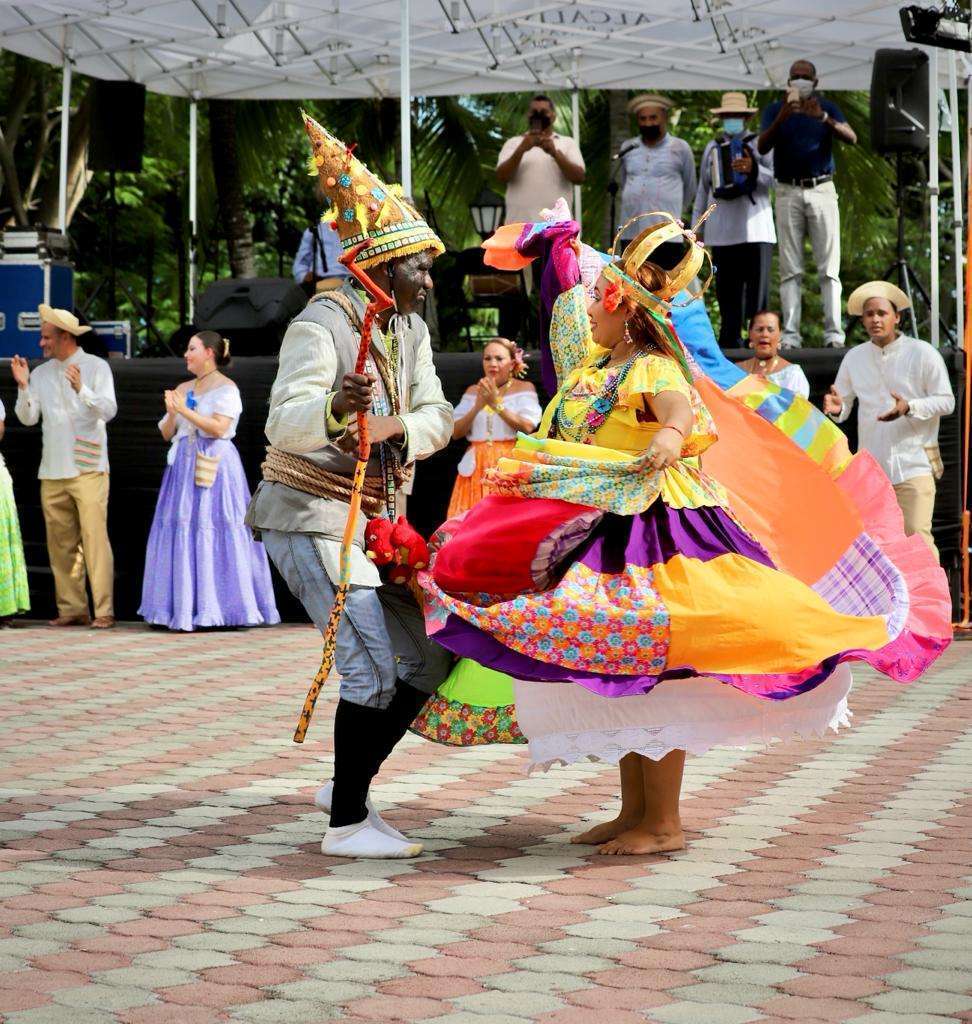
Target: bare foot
x=605 y=831
x=643 y=840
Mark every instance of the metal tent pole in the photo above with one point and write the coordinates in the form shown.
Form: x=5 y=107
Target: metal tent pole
x=406 y=93
x=575 y=127
x=193 y=175
x=957 y=205
x=62 y=182
x=934 y=283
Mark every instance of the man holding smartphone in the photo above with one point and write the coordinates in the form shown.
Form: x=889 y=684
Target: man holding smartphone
x=539 y=166
x=799 y=130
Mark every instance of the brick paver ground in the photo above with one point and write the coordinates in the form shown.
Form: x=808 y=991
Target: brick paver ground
x=160 y=860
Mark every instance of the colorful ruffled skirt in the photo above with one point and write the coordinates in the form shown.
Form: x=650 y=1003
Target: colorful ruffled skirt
x=801 y=566
x=470 y=489
x=14 y=595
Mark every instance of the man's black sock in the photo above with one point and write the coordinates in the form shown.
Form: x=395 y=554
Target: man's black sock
x=358 y=742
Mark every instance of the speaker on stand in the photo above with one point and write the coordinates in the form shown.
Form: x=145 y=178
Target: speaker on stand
x=899 y=127
x=116 y=144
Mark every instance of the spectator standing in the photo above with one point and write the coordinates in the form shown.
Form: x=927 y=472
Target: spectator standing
x=540 y=166
x=764 y=340
x=902 y=389
x=75 y=394
x=657 y=173
x=799 y=129
x=316 y=266
x=739 y=231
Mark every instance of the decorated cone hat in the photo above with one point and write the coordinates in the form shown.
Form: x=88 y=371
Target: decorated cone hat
x=364 y=207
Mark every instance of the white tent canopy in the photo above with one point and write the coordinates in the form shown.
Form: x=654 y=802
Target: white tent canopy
x=292 y=49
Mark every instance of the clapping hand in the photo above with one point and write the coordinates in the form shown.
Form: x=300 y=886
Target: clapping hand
x=175 y=402
x=488 y=392
x=899 y=409
x=73 y=374
x=832 y=403
x=20 y=371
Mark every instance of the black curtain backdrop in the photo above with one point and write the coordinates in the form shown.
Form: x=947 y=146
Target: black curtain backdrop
x=137 y=455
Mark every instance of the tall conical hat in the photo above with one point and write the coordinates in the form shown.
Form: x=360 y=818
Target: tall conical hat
x=363 y=206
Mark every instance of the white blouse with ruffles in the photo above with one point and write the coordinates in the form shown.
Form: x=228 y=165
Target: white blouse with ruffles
x=222 y=401
x=520 y=403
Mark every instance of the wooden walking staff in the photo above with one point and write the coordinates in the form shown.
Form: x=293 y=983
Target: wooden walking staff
x=379 y=301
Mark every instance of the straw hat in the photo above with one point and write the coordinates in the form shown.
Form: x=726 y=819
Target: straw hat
x=734 y=103
x=61 y=319
x=876 y=290
x=649 y=99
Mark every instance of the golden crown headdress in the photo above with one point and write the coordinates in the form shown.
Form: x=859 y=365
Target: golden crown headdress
x=639 y=250
x=362 y=207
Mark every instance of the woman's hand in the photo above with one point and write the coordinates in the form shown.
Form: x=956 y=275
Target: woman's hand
x=488 y=392
x=175 y=402
x=666 y=449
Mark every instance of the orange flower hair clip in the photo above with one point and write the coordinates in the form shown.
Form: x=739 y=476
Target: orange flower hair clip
x=612 y=297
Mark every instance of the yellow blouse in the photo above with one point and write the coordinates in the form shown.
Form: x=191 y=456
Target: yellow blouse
x=630 y=425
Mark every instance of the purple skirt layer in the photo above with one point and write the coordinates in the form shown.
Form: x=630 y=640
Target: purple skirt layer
x=202 y=565
x=650 y=538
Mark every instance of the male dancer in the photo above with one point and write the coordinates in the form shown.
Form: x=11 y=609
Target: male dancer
x=387 y=665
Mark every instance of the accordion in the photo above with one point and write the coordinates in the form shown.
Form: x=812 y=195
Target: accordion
x=727 y=183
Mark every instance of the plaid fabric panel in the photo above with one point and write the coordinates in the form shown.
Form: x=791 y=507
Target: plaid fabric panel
x=87 y=453
x=865 y=582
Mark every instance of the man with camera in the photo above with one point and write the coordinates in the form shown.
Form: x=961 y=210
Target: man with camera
x=799 y=129
x=539 y=166
x=739 y=232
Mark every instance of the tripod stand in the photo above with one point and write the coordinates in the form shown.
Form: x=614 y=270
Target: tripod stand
x=908 y=280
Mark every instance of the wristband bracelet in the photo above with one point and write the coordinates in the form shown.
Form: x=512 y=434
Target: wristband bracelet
x=671 y=426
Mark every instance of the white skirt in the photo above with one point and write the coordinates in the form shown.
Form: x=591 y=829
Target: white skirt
x=565 y=722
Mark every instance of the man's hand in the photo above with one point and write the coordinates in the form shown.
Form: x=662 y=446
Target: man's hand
x=20 y=371
x=787 y=110
x=355 y=395
x=73 y=374
x=529 y=140
x=743 y=164
x=833 y=404
x=900 y=408
x=546 y=143
x=380 y=428
x=812 y=108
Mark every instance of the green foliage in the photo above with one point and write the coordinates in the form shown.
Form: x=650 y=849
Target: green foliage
x=455 y=145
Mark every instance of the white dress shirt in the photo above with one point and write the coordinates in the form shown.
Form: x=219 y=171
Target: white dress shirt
x=75 y=438
x=916 y=372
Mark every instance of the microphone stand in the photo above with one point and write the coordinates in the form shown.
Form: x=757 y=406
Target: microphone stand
x=613 y=184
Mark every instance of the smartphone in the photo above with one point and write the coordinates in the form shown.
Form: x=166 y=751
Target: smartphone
x=792 y=95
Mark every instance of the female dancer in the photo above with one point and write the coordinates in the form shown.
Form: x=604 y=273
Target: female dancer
x=491 y=413
x=14 y=596
x=202 y=566
x=632 y=559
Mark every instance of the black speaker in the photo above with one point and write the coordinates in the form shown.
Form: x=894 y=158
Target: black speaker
x=899 y=101
x=253 y=312
x=117 y=126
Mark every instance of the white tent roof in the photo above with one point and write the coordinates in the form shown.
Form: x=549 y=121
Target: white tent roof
x=342 y=48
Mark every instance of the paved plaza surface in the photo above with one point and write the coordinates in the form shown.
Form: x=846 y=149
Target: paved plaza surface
x=160 y=860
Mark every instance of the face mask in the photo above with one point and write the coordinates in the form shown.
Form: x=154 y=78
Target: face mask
x=539 y=121
x=803 y=86
x=733 y=125
x=650 y=132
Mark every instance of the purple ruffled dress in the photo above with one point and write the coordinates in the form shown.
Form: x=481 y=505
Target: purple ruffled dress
x=202 y=565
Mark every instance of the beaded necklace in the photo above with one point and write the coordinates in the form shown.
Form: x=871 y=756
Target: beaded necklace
x=387 y=454
x=582 y=428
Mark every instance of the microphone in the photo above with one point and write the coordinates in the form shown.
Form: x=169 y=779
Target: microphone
x=626 y=148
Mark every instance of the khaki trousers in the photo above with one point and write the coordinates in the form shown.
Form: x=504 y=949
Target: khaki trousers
x=916 y=498
x=76 y=516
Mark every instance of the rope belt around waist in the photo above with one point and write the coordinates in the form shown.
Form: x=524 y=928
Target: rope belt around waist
x=304 y=475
